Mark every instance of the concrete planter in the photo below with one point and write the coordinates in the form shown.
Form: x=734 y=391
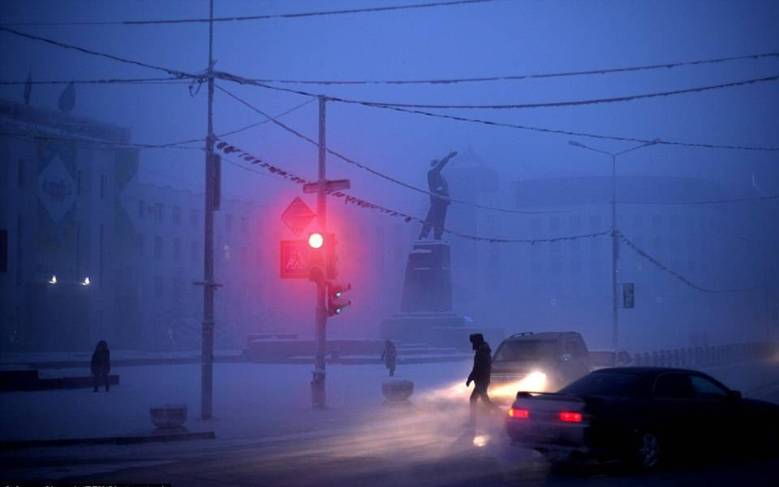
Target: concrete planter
x=169 y=416
x=397 y=390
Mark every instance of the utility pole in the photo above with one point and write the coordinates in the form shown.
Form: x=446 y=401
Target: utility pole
x=209 y=286
x=614 y=236
x=318 y=397
x=614 y=259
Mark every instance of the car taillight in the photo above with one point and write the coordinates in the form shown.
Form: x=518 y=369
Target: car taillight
x=570 y=417
x=519 y=413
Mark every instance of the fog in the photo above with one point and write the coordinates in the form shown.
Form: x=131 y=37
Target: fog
x=580 y=184
x=513 y=286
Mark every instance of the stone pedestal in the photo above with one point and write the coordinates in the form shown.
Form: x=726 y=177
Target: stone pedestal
x=426 y=305
x=428 y=281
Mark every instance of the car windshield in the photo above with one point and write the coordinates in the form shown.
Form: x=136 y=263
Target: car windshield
x=615 y=384
x=527 y=350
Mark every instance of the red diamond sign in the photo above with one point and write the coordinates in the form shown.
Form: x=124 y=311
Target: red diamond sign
x=297 y=216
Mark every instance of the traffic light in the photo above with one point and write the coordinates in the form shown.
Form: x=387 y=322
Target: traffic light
x=322 y=256
x=336 y=298
x=316 y=240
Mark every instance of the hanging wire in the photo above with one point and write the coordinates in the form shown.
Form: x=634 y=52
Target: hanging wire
x=632 y=246
x=244 y=18
x=348 y=199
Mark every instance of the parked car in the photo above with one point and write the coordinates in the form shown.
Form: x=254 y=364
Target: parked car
x=645 y=415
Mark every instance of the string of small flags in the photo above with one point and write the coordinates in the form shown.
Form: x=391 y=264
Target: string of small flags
x=348 y=199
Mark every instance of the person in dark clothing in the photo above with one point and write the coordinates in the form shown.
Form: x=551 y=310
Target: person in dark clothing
x=389 y=356
x=480 y=375
x=101 y=364
x=439 y=199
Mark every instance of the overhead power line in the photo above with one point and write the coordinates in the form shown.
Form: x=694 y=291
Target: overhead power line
x=242 y=80
x=748 y=199
x=379 y=173
x=109 y=81
x=244 y=18
x=245 y=81
x=349 y=199
x=520 y=77
x=632 y=246
x=33 y=136
x=173 y=72
x=576 y=133
x=516 y=106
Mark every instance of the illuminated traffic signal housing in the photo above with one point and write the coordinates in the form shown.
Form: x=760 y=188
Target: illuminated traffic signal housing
x=336 y=298
x=322 y=256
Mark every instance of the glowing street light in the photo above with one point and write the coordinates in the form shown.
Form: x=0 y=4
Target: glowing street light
x=53 y=279
x=86 y=281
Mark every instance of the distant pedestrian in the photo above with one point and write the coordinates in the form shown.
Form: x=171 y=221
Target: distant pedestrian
x=389 y=356
x=480 y=374
x=101 y=364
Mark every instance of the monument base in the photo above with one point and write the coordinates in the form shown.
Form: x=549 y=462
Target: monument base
x=435 y=329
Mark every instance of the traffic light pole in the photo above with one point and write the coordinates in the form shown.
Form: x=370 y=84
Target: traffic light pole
x=207 y=350
x=318 y=398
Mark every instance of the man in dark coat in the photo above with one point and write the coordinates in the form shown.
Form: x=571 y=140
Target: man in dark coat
x=101 y=364
x=480 y=375
x=389 y=356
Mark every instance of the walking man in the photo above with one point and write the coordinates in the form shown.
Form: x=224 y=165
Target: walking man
x=480 y=375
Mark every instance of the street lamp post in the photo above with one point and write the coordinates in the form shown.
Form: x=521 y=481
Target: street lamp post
x=614 y=233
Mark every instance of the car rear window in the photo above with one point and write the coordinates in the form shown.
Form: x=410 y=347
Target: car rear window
x=613 y=384
x=527 y=350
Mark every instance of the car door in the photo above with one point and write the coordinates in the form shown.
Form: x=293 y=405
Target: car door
x=717 y=410
x=673 y=412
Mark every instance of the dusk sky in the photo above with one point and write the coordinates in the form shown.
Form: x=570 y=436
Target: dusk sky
x=487 y=39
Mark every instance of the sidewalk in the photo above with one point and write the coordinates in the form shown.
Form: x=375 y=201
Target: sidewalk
x=119 y=358
x=250 y=400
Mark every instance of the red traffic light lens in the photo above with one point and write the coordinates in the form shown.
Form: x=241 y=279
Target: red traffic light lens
x=316 y=240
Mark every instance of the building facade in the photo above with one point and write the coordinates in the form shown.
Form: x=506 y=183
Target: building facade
x=60 y=182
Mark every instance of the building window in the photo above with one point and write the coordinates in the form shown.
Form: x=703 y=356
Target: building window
x=176 y=248
x=158 y=248
x=177 y=215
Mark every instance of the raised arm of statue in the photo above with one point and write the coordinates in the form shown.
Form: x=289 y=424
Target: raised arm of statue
x=444 y=161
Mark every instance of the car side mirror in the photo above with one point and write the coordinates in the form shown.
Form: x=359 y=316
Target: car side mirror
x=734 y=395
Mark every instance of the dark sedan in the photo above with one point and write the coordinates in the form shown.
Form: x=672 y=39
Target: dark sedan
x=646 y=415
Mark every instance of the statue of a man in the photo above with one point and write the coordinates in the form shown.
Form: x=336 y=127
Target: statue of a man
x=439 y=198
